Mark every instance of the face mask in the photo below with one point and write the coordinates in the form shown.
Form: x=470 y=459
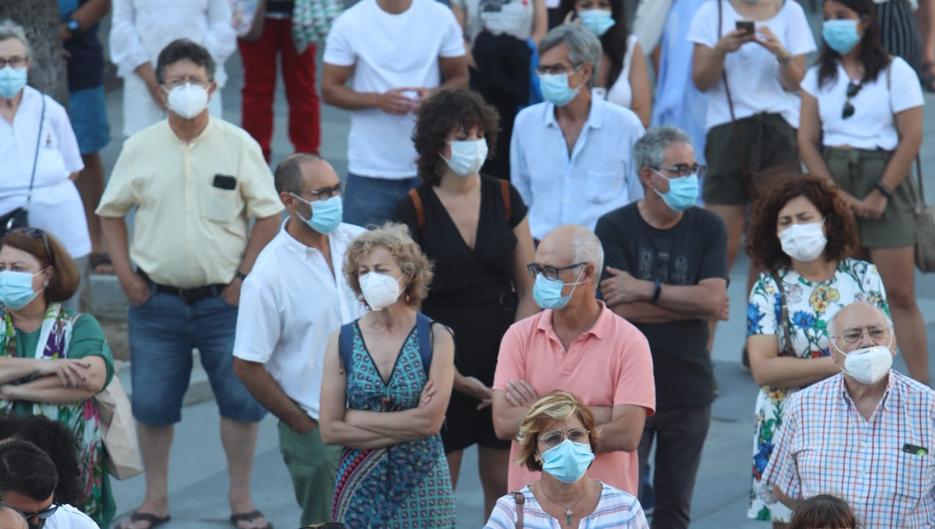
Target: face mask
x=598 y=21
x=12 y=80
x=188 y=100
x=840 y=35
x=568 y=461
x=467 y=156
x=548 y=292
x=16 y=289
x=380 y=290
x=326 y=214
x=868 y=365
x=555 y=89
x=803 y=242
x=682 y=193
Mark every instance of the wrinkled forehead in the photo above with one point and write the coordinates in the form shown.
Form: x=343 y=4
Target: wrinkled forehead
x=858 y=316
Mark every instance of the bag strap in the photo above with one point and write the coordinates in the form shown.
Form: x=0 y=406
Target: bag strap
x=784 y=315
x=35 y=158
x=720 y=22
x=505 y=197
x=520 y=500
x=417 y=205
x=425 y=338
x=346 y=346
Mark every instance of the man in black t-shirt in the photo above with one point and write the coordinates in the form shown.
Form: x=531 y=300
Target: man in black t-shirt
x=667 y=273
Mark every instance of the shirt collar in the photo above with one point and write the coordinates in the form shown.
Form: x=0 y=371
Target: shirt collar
x=599 y=330
x=846 y=399
x=595 y=114
x=196 y=140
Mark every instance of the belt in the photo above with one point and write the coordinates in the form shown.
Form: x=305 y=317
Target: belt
x=188 y=295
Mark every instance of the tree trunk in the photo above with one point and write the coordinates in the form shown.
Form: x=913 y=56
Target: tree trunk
x=40 y=19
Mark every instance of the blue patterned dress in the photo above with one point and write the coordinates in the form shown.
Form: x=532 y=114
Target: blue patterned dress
x=404 y=486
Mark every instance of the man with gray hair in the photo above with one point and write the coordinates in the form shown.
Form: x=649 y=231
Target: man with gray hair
x=576 y=344
x=667 y=273
x=570 y=156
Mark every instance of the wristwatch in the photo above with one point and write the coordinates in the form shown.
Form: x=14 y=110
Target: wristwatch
x=73 y=26
x=240 y=275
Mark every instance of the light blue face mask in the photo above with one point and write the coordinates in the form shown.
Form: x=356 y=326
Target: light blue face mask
x=326 y=214
x=840 y=35
x=598 y=21
x=16 y=289
x=548 y=292
x=555 y=88
x=12 y=80
x=682 y=193
x=568 y=461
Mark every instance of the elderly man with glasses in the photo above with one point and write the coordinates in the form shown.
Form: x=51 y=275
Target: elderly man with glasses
x=866 y=434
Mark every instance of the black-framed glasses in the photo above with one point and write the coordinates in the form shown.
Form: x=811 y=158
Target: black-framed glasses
x=681 y=170
x=324 y=193
x=852 y=90
x=44 y=514
x=15 y=61
x=854 y=335
x=36 y=233
x=575 y=435
x=550 y=272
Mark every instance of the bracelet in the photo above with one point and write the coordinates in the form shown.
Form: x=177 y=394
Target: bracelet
x=240 y=275
x=883 y=190
x=657 y=291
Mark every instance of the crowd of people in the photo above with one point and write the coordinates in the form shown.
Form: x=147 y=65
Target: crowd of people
x=529 y=253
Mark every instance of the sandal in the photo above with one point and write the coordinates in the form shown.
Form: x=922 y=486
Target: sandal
x=100 y=263
x=148 y=517
x=927 y=76
x=249 y=517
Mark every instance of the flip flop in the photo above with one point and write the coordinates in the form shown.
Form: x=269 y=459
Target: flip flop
x=248 y=517
x=148 y=517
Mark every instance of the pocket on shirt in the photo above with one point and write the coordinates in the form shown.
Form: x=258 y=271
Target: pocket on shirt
x=914 y=478
x=220 y=205
x=604 y=186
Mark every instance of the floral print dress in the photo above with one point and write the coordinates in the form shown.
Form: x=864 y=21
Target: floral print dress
x=811 y=306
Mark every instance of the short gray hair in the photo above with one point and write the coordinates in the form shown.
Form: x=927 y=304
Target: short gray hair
x=650 y=150
x=588 y=249
x=583 y=46
x=12 y=30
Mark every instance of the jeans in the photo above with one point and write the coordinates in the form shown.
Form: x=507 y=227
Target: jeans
x=371 y=201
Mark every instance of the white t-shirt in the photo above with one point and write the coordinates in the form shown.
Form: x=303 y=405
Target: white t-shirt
x=752 y=71
x=387 y=52
x=68 y=517
x=290 y=304
x=56 y=206
x=872 y=125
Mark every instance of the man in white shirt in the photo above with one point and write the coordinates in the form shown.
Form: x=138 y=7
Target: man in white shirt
x=570 y=156
x=395 y=54
x=291 y=302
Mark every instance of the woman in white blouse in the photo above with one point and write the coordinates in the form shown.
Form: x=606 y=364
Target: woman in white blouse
x=37 y=144
x=862 y=114
x=142 y=28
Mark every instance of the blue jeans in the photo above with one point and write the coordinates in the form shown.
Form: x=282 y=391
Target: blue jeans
x=162 y=333
x=370 y=201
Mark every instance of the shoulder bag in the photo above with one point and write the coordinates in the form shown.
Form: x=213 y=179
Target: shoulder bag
x=120 y=441
x=785 y=327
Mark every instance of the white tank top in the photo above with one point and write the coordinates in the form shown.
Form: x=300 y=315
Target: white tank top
x=621 y=93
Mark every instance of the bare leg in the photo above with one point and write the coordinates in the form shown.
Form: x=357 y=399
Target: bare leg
x=494 y=465
x=454 y=467
x=733 y=217
x=239 y=441
x=896 y=267
x=155 y=443
x=90 y=185
x=926 y=19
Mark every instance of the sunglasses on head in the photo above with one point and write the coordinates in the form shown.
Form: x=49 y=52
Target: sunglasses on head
x=36 y=233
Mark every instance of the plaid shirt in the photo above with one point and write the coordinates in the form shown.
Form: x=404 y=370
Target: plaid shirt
x=826 y=447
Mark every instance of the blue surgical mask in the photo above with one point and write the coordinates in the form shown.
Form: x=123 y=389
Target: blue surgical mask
x=326 y=214
x=682 y=193
x=555 y=88
x=568 y=461
x=548 y=292
x=840 y=35
x=12 y=80
x=16 y=289
x=599 y=21
x=467 y=156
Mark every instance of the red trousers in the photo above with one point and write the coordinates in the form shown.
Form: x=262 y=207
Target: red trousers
x=298 y=72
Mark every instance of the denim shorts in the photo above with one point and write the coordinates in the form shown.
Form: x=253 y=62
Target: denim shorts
x=162 y=333
x=87 y=111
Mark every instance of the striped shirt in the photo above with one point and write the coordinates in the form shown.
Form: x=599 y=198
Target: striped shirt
x=884 y=467
x=615 y=510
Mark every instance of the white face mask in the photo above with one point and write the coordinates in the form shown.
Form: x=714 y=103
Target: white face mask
x=380 y=290
x=467 y=157
x=188 y=100
x=868 y=365
x=803 y=242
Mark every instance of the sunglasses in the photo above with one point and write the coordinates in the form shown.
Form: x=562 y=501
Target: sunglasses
x=44 y=514
x=36 y=233
x=852 y=90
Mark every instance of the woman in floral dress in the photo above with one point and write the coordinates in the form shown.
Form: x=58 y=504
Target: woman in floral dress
x=387 y=381
x=803 y=236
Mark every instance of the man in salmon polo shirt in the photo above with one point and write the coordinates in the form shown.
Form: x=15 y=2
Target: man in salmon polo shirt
x=577 y=345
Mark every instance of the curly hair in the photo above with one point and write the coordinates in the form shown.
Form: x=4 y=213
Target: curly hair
x=407 y=254
x=58 y=442
x=446 y=112
x=555 y=406
x=822 y=511
x=763 y=244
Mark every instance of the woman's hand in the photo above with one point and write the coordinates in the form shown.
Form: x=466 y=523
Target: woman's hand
x=733 y=40
x=766 y=38
x=71 y=373
x=873 y=205
x=473 y=387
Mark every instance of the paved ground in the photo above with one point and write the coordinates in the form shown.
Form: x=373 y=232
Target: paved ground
x=197 y=477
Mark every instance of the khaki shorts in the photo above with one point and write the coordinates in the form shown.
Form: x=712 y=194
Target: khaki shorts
x=857 y=172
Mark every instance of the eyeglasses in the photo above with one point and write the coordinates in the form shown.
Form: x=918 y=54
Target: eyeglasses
x=549 y=272
x=555 y=69
x=324 y=193
x=175 y=83
x=852 y=90
x=36 y=233
x=15 y=62
x=854 y=335
x=44 y=514
x=681 y=170
x=553 y=439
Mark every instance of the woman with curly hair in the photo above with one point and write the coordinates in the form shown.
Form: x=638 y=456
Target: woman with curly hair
x=474 y=228
x=802 y=237
x=386 y=384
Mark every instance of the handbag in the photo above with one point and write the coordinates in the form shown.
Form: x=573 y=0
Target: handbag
x=120 y=441
x=19 y=217
x=925 y=226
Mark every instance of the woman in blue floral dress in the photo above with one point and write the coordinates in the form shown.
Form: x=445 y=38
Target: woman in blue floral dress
x=803 y=237
x=387 y=381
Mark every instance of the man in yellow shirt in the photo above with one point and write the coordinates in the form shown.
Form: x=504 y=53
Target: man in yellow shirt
x=195 y=182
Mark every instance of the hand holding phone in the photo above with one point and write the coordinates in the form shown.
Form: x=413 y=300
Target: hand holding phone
x=747 y=26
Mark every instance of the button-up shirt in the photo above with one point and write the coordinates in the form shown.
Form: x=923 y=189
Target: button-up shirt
x=884 y=467
x=193 y=201
x=598 y=176
x=290 y=304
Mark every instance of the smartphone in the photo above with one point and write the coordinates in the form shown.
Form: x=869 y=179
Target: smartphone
x=746 y=26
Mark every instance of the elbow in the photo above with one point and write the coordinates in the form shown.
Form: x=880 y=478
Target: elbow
x=431 y=427
x=242 y=369
x=327 y=94
x=760 y=374
x=503 y=431
x=327 y=433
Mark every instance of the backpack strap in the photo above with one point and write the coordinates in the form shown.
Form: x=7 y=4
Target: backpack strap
x=346 y=346
x=424 y=335
x=520 y=500
x=420 y=210
x=505 y=197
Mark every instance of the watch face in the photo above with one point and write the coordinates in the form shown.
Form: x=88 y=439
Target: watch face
x=73 y=25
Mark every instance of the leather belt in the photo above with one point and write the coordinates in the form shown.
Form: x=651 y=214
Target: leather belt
x=188 y=295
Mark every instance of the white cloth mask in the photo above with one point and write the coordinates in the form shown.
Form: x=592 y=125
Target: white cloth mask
x=804 y=242
x=188 y=100
x=868 y=365
x=467 y=156
x=379 y=290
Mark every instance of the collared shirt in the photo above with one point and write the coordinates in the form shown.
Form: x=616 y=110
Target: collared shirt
x=193 y=201
x=290 y=304
x=609 y=365
x=827 y=447
x=598 y=177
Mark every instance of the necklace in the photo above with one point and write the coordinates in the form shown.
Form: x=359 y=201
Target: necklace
x=568 y=510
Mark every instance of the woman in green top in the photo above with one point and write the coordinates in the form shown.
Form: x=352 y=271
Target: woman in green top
x=52 y=361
